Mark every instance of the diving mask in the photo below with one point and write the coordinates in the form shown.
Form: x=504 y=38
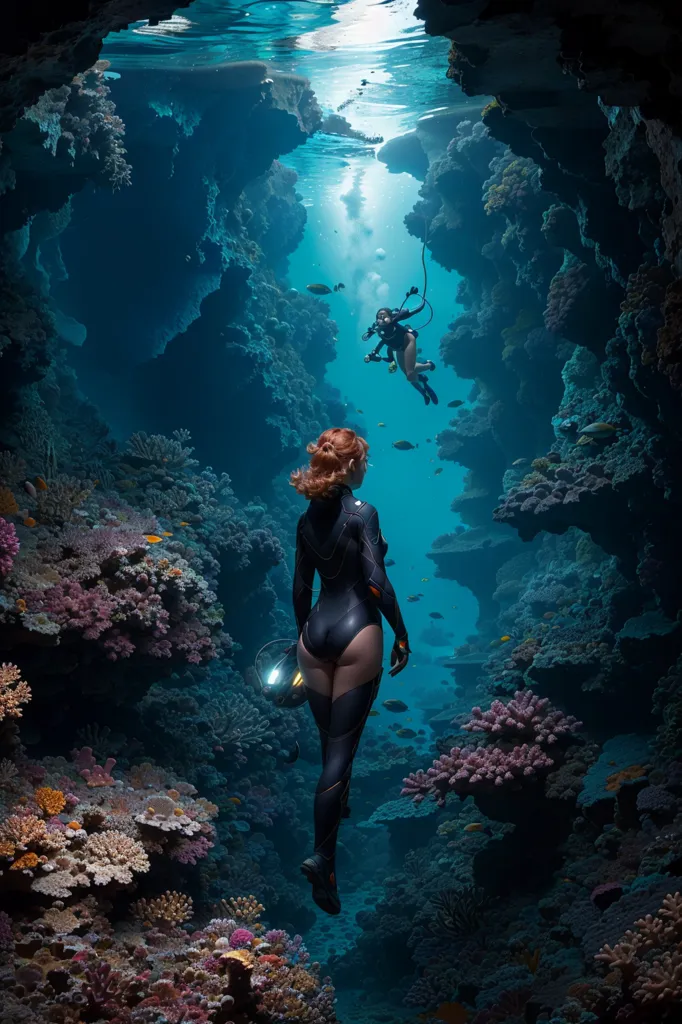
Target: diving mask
x=276 y=666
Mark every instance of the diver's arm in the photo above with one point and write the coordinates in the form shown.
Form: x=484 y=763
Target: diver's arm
x=405 y=313
x=372 y=547
x=304 y=575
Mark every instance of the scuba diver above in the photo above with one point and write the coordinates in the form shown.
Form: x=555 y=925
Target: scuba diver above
x=340 y=645
x=401 y=340
x=401 y=345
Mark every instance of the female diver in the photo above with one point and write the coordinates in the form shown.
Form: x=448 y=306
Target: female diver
x=402 y=341
x=340 y=645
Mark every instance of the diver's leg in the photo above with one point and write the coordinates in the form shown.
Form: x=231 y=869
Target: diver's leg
x=355 y=685
x=318 y=678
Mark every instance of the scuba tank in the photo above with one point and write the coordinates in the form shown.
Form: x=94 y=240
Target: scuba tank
x=281 y=682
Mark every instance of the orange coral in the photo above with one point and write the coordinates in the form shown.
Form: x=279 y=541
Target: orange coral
x=13 y=691
x=29 y=860
x=50 y=801
x=8 y=503
x=615 y=781
x=7 y=848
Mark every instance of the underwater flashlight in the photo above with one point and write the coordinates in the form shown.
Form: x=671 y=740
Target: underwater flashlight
x=276 y=666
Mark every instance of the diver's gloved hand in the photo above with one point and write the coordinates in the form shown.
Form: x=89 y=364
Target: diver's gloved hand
x=399 y=656
x=392 y=366
x=414 y=290
x=373 y=357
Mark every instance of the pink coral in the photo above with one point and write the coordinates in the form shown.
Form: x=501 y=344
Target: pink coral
x=527 y=716
x=466 y=768
x=9 y=546
x=99 y=775
x=241 y=938
x=189 y=851
x=74 y=608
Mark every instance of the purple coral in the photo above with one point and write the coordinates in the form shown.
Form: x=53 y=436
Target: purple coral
x=74 y=608
x=189 y=851
x=465 y=769
x=241 y=938
x=9 y=546
x=526 y=716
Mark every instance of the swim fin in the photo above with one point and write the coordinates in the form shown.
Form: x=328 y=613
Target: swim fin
x=428 y=390
x=420 y=388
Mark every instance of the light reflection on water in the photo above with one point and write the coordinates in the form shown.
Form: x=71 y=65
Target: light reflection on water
x=335 y=45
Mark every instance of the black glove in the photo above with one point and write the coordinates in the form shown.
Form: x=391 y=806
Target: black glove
x=399 y=656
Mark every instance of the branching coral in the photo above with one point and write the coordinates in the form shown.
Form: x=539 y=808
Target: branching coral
x=172 y=907
x=526 y=716
x=13 y=691
x=649 y=959
x=9 y=546
x=162 y=451
x=465 y=768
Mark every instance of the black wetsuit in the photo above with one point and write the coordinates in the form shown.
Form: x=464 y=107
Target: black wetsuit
x=339 y=537
x=394 y=337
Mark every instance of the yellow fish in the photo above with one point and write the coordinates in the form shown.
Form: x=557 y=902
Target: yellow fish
x=183 y=524
x=474 y=826
x=152 y=538
x=234 y=800
x=504 y=639
x=166 y=534
x=30 y=522
x=40 y=483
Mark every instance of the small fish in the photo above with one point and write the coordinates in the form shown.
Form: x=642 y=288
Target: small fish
x=21 y=605
x=428 y=440
x=499 y=641
x=455 y=404
x=389 y=562
x=364 y=82
x=242 y=826
x=406 y=734
x=435 y=615
x=166 y=534
x=40 y=483
x=151 y=538
x=381 y=423
x=319 y=289
x=505 y=639
x=404 y=446
x=361 y=411
x=30 y=522
x=585 y=440
x=424 y=579
x=293 y=754
x=437 y=472
x=474 y=826
x=519 y=462
x=234 y=800
x=599 y=429
x=183 y=524
x=395 y=705
x=412 y=598
x=373 y=714
x=454 y=606
x=549 y=615
x=339 y=287
x=30 y=489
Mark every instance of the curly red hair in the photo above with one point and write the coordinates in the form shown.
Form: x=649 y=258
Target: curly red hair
x=330 y=456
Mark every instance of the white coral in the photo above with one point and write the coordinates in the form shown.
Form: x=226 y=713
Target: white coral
x=113 y=856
